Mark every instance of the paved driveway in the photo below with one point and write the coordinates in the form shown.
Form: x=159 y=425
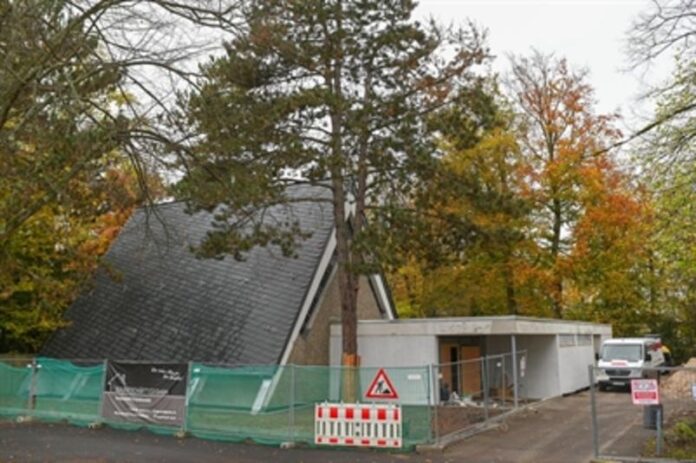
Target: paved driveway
x=559 y=430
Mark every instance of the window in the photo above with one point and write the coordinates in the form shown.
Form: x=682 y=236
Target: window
x=628 y=352
x=584 y=339
x=566 y=340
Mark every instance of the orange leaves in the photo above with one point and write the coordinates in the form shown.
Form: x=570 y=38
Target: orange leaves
x=549 y=225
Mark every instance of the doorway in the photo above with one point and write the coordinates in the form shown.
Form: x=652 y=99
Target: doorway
x=458 y=372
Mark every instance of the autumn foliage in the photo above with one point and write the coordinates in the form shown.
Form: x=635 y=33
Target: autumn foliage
x=552 y=227
x=52 y=256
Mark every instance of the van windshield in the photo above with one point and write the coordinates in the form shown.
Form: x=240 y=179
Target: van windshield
x=628 y=352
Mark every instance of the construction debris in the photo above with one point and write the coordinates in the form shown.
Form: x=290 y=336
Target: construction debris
x=679 y=384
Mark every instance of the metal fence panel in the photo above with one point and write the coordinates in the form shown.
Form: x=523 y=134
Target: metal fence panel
x=472 y=392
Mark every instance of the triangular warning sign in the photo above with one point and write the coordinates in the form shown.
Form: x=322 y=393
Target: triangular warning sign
x=381 y=387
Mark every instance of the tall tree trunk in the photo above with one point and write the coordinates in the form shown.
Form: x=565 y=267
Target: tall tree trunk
x=347 y=282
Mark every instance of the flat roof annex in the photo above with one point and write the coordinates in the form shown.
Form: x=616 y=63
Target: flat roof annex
x=475 y=326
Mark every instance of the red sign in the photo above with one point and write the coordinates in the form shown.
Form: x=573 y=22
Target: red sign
x=645 y=392
x=381 y=387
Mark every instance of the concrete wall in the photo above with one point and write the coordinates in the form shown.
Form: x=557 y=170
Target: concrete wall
x=573 y=362
x=391 y=351
x=550 y=370
x=541 y=375
x=541 y=379
x=482 y=326
x=312 y=345
x=405 y=360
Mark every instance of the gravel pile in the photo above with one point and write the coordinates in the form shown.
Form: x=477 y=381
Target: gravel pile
x=678 y=384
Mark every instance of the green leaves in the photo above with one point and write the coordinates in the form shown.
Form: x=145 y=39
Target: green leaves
x=324 y=92
x=528 y=215
x=66 y=186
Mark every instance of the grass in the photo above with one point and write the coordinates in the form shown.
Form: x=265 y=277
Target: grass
x=679 y=441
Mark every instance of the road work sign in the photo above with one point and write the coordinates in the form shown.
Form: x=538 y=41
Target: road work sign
x=645 y=392
x=381 y=387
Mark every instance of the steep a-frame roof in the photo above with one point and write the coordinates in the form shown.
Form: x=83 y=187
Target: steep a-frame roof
x=154 y=300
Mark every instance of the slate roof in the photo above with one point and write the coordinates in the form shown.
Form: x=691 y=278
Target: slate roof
x=154 y=300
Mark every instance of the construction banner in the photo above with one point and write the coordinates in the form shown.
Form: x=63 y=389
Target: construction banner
x=145 y=393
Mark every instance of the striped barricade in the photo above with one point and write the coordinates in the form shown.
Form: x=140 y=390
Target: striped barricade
x=362 y=425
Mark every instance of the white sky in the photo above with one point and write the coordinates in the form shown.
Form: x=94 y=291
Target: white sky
x=589 y=33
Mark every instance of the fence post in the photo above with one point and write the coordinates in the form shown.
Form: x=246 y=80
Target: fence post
x=102 y=387
x=515 y=379
x=291 y=411
x=31 y=404
x=658 y=442
x=484 y=365
x=503 y=373
x=187 y=397
x=432 y=368
x=593 y=408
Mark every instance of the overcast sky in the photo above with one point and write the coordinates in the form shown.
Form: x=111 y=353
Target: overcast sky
x=589 y=33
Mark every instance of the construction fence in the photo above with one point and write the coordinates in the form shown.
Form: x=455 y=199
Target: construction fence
x=474 y=392
x=644 y=413
x=266 y=404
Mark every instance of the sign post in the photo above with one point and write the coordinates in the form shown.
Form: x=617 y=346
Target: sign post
x=646 y=392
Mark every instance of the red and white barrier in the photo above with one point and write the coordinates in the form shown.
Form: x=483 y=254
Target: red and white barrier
x=362 y=425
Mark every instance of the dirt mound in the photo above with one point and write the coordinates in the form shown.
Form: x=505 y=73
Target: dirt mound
x=678 y=384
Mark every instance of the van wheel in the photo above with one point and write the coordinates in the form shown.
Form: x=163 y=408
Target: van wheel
x=602 y=387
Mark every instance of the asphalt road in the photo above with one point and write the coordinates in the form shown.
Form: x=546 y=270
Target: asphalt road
x=554 y=431
x=39 y=442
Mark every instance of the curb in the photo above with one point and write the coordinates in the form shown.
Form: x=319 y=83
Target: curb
x=637 y=460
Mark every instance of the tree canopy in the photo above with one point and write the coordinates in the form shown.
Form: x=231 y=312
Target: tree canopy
x=330 y=93
x=476 y=194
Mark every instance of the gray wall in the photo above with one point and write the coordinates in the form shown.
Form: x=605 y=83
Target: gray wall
x=390 y=351
x=541 y=376
x=404 y=358
x=573 y=362
x=551 y=370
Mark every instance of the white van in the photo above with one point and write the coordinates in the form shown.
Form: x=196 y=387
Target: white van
x=621 y=360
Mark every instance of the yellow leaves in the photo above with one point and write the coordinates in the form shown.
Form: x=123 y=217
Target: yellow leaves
x=122 y=98
x=554 y=227
x=53 y=254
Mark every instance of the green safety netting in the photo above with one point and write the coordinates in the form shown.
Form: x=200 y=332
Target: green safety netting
x=276 y=404
x=234 y=403
x=264 y=404
x=14 y=389
x=66 y=391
